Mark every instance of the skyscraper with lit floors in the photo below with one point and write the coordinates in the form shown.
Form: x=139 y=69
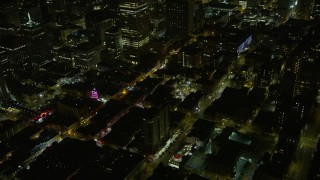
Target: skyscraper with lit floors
x=134 y=18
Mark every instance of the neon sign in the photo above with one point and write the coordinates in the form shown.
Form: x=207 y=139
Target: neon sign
x=94 y=94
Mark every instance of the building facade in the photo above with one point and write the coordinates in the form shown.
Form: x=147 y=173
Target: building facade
x=179 y=17
x=134 y=18
x=155 y=127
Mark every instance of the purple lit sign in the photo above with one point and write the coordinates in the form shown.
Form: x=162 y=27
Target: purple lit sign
x=94 y=94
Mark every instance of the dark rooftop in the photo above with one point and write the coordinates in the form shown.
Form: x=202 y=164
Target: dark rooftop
x=202 y=129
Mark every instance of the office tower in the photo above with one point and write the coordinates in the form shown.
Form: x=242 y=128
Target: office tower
x=34 y=34
x=87 y=55
x=264 y=74
x=134 y=18
x=65 y=55
x=191 y=56
x=155 y=127
x=97 y=23
x=114 y=47
x=179 y=18
x=17 y=51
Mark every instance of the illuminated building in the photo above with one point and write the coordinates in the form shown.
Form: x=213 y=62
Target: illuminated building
x=32 y=29
x=179 y=17
x=9 y=29
x=191 y=56
x=238 y=42
x=34 y=33
x=87 y=55
x=114 y=45
x=223 y=7
x=134 y=18
x=211 y=55
x=264 y=75
x=65 y=55
x=16 y=49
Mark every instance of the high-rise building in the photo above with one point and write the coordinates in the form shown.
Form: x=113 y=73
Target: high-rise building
x=264 y=75
x=191 y=56
x=16 y=49
x=179 y=17
x=134 y=18
x=155 y=127
x=114 y=47
x=97 y=23
x=87 y=55
x=65 y=55
x=35 y=36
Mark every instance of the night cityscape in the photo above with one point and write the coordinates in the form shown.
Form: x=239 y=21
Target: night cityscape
x=160 y=89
